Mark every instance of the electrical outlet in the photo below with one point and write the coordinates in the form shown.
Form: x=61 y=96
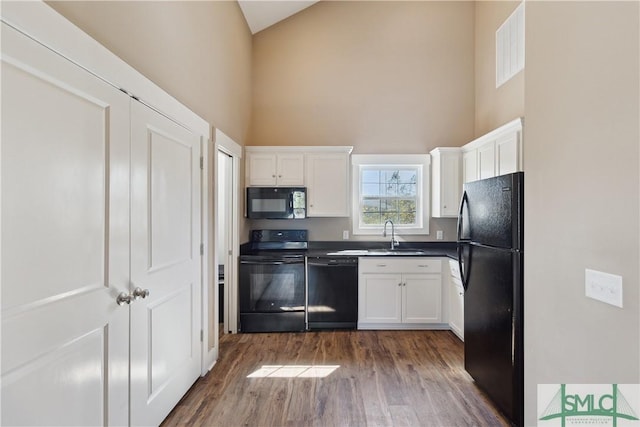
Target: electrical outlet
x=603 y=287
x=439 y=235
x=345 y=234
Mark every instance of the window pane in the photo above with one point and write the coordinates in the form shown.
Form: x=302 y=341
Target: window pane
x=389 y=189
x=407 y=189
x=389 y=176
x=371 y=205
x=393 y=216
x=371 y=218
x=406 y=218
x=370 y=190
x=407 y=176
x=389 y=205
x=407 y=205
x=370 y=176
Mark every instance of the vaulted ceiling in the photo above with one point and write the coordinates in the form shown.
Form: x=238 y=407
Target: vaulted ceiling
x=261 y=14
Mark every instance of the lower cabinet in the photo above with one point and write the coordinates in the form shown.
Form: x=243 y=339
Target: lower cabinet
x=456 y=301
x=400 y=293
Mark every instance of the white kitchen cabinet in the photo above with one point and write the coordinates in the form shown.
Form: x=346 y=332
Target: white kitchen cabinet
x=487 y=160
x=446 y=184
x=469 y=164
x=380 y=298
x=400 y=293
x=498 y=152
x=284 y=169
x=507 y=153
x=456 y=300
x=328 y=186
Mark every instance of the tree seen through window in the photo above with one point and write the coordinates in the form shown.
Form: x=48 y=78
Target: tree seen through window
x=388 y=193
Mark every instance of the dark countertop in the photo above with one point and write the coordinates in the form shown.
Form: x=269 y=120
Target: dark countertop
x=428 y=249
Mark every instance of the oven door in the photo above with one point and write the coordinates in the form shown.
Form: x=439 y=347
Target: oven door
x=272 y=295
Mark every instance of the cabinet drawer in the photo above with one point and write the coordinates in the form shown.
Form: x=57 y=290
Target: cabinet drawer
x=400 y=265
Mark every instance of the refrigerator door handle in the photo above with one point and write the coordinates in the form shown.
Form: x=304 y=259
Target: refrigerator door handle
x=464 y=201
x=461 y=265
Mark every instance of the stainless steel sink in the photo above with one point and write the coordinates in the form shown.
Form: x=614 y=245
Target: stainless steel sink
x=378 y=252
x=350 y=252
x=405 y=252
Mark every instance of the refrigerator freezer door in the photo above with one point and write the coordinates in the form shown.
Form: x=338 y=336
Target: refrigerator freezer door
x=493 y=326
x=492 y=211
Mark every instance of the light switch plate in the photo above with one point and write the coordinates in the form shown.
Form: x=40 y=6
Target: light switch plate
x=603 y=287
x=345 y=234
x=439 y=235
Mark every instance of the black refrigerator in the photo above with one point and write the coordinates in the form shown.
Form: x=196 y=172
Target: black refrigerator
x=490 y=252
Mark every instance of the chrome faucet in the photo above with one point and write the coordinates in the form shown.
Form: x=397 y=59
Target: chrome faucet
x=394 y=242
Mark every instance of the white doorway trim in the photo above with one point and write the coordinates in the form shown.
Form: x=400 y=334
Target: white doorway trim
x=221 y=143
x=226 y=145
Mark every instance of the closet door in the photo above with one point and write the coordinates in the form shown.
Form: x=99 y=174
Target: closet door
x=166 y=261
x=65 y=241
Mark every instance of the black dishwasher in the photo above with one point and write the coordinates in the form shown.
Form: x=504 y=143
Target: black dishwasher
x=332 y=292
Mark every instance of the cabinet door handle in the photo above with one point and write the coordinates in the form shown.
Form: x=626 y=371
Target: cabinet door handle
x=381 y=265
x=279 y=176
x=400 y=284
x=423 y=265
x=273 y=176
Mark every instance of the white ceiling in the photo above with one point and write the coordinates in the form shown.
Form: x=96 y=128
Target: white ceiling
x=261 y=14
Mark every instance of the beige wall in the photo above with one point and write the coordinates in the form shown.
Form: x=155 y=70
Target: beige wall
x=582 y=192
x=384 y=77
x=199 y=52
x=494 y=106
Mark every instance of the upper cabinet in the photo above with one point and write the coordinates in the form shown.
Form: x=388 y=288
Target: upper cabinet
x=446 y=182
x=271 y=169
x=324 y=171
x=327 y=181
x=499 y=152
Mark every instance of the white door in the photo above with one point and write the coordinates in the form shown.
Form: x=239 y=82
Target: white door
x=290 y=169
x=261 y=169
x=421 y=299
x=380 y=298
x=327 y=178
x=65 y=241
x=165 y=260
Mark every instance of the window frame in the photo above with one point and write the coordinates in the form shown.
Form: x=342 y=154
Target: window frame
x=421 y=162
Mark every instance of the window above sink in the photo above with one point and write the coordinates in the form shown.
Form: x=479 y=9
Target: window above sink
x=390 y=187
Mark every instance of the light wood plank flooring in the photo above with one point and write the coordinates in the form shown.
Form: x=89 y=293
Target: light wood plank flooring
x=384 y=378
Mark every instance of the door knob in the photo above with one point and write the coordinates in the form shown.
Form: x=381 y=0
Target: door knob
x=140 y=293
x=123 y=298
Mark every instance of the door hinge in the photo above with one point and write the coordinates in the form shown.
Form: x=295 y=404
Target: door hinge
x=201 y=249
x=201 y=162
x=201 y=335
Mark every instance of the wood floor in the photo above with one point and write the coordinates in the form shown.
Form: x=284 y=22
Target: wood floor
x=384 y=378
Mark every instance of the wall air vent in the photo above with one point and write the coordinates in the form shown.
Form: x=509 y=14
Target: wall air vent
x=510 y=46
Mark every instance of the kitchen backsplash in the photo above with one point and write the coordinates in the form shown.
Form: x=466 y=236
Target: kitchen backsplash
x=330 y=229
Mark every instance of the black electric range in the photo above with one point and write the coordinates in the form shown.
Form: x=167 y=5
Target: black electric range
x=272 y=293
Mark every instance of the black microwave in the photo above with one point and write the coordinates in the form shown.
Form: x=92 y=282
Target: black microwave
x=276 y=202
